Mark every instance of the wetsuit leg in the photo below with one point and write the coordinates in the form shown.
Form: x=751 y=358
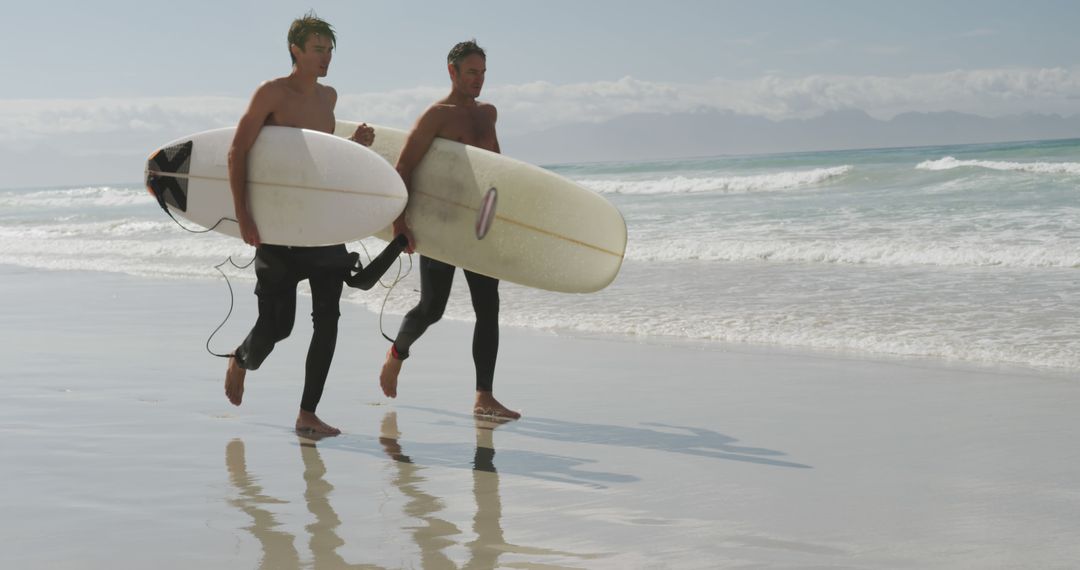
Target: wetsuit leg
x=485 y=300
x=276 y=290
x=326 y=286
x=436 y=278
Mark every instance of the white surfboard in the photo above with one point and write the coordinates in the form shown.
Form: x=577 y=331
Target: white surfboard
x=535 y=228
x=306 y=188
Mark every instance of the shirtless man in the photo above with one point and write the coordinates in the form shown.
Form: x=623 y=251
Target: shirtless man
x=458 y=117
x=297 y=100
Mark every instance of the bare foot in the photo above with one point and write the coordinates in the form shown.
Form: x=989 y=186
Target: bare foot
x=308 y=422
x=388 y=377
x=487 y=405
x=234 y=382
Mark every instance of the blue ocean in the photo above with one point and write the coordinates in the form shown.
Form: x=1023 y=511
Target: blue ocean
x=967 y=253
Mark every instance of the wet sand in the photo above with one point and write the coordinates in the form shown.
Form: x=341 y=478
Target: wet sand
x=121 y=451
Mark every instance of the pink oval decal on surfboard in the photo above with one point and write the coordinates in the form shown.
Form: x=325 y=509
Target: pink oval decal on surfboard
x=487 y=213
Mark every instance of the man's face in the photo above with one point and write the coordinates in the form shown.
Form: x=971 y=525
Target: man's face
x=468 y=78
x=315 y=57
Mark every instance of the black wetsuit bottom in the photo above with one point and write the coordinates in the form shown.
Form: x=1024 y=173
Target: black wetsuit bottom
x=278 y=270
x=436 y=278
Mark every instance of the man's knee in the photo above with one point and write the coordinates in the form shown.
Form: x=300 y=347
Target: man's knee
x=325 y=315
x=433 y=315
x=282 y=333
x=281 y=327
x=486 y=307
x=273 y=328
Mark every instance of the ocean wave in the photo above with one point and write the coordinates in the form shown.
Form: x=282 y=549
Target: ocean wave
x=949 y=163
x=886 y=252
x=719 y=184
x=96 y=196
x=62 y=229
x=130 y=246
x=808 y=332
x=866 y=326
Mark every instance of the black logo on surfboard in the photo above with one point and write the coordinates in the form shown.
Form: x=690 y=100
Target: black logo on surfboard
x=169 y=190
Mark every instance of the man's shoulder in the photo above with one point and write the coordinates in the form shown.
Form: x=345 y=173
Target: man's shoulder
x=445 y=108
x=487 y=108
x=275 y=83
x=437 y=113
x=274 y=88
x=440 y=107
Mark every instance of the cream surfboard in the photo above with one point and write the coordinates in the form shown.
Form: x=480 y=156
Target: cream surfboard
x=306 y=188
x=504 y=218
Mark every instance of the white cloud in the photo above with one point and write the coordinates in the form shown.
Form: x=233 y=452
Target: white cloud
x=31 y=120
x=992 y=92
x=537 y=105
x=988 y=92
x=398 y=108
x=116 y=126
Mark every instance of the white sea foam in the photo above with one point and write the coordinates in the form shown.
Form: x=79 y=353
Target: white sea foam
x=124 y=227
x=885 y=251
x=719 y=184
x=879 y=317
x=129 y=246
x=887 y=263
x=949 y=163
x=89 y=197
x=824 y=332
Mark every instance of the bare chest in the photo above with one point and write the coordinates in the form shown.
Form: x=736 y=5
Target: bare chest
x=471 y=128
x=314 y=112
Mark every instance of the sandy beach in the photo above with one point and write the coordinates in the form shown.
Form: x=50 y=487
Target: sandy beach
x=121 y=451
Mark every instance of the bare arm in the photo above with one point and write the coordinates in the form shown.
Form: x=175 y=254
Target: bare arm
x=247 y=130
x=416 y=146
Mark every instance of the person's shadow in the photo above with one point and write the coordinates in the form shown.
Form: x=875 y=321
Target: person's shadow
x=686 y=440
x=532 y=464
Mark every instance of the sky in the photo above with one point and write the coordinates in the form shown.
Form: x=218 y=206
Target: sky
x=90 y=89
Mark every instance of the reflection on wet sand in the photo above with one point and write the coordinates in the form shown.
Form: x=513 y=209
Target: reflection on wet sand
x=489 y=544
x=489 y=541
x=433 y=536
x=324 y=538
x=278 y=547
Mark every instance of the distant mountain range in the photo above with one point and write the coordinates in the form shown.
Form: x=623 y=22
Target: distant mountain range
x=710 y=132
